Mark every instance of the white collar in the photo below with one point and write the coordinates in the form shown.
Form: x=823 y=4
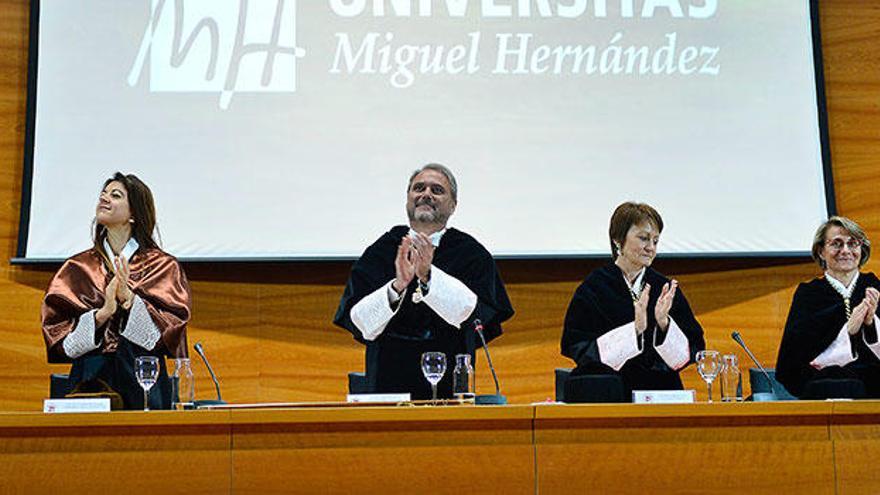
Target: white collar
x=127 y=251
x=635 y=288
x=435 y=237
x=844 y=290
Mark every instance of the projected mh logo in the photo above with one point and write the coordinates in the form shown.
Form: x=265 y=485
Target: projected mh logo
x=220 y=46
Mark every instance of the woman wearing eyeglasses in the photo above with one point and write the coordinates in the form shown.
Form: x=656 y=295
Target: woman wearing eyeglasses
x=830 y=346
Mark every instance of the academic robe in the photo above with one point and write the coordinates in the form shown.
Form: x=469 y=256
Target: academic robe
x=78 y=287
x=816 y=317
x=602 y=303
x=393 y=359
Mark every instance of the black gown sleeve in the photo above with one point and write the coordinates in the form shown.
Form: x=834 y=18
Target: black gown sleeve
x=811 y=326
x=583 y=326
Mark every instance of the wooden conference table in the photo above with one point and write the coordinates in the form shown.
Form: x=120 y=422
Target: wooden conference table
x=783 y=447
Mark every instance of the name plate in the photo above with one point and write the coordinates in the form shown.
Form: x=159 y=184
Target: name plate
x=76 y=405
x=664 y=396
x=378 y=398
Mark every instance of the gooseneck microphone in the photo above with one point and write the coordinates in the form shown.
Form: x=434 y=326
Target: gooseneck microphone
x=219 y=401
x=497 y=398
x=736 y=336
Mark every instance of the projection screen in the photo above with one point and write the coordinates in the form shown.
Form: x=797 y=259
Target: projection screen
x=272 y=129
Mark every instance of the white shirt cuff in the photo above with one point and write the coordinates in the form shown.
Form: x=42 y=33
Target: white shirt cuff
x=449 y=297
x=875 y=347
x=393 y=296
x=140 y=328
x=674 y=350
x=372 y=313
x=618 y=346
x=839 y=353
x=81 y=340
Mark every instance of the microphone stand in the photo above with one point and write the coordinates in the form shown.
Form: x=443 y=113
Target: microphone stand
x=208 y=402
x=488 y=399
x=759 y=396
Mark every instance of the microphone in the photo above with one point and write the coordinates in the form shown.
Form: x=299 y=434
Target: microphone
x=756 y=396
x=219 y=401
x=497 y=398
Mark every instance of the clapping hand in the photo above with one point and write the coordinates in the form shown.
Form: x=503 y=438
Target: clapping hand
x=124 y=295
x=422 y=255
x=859 y=315
x=664 y=303
x=109 y=308
x=641 y=310
x=403 y=266
x=872 y=297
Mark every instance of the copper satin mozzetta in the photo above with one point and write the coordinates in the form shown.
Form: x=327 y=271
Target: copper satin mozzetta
x=79 y=287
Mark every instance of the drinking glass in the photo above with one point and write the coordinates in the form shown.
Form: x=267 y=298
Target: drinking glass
x=708 y=366
x=146 y=370
x=434 y=367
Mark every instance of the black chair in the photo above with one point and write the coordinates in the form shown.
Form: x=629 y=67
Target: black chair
x=589 y=388
x=834 y=388
x=595 y=389
x=358 y=383
x=761 y=390
x=561 y=375
x=59 y=385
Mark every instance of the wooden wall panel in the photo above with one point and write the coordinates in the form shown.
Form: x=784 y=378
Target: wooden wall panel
x=267 y=327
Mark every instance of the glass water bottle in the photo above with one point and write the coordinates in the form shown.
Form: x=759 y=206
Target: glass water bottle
x=463 y=377
x=183 y=391
x=731 y=380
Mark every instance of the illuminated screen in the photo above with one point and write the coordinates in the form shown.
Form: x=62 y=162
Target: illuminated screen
x=275 y=129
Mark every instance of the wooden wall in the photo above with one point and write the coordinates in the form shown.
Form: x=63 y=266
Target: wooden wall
x=267 y=327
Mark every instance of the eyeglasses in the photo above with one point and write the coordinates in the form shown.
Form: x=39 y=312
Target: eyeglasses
x=837 y=244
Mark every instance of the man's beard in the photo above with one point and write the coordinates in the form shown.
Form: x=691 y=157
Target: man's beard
x=434 y=216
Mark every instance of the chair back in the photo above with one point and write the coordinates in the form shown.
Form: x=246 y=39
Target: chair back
x=561 y=376
x=595 y=389
x=761 y=390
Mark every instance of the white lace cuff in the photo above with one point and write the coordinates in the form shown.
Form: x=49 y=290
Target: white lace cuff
x=140 y=328
x=674 y=350
x=82 y=339
x=618 y=346
x=449 y=297
x=372 y=313
x=839 y=353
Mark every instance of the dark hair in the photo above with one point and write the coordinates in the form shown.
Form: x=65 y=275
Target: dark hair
x=627 y=215
x=143 y=212
x=443 y=169
x=848 y=225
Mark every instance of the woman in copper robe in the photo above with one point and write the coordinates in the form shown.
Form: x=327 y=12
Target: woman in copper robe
x=120 y=299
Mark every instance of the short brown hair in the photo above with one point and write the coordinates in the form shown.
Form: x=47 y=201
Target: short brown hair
x=627 y=215
x=854 y=230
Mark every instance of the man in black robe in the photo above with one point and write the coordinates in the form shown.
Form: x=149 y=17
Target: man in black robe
x=420 y=288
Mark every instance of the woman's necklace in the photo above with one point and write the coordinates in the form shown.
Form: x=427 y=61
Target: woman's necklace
x=844 y=293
